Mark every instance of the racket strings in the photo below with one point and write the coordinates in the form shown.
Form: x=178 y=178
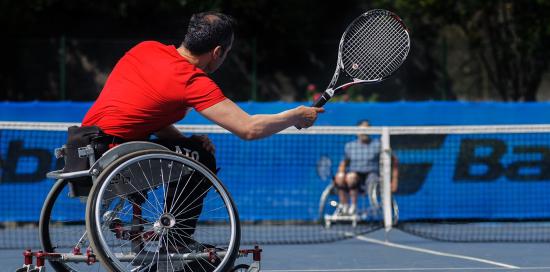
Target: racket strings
x=356 y=31
x=375 y=65
x=374 y=47
x=359 y=43
x=388 y=63
x=375 y=69
x=379 y=24
x=400 y=43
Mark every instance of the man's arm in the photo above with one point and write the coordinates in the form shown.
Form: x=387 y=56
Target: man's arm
x=169 y=133
x=342 y=166
x=394 y=174
x=249 y=127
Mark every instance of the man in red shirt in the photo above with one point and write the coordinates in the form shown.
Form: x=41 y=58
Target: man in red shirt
x=154 y=85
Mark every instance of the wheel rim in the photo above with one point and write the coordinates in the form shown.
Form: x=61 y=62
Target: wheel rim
x=159 y=217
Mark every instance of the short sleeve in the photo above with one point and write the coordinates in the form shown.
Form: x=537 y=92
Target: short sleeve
x=347 y=151
x=202 y=92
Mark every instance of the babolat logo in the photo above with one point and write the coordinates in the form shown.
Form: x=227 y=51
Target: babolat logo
x=532 y=163
x=468 y=159
x=24 y=164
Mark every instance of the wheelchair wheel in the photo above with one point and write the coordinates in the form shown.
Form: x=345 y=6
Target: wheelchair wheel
x=62 y=228
x=375 y=199
x=328 y=202
x=158 y=210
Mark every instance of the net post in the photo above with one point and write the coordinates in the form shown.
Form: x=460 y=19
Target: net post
x=385 y=158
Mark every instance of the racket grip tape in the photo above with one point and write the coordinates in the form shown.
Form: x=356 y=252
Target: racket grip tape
x=321 y=101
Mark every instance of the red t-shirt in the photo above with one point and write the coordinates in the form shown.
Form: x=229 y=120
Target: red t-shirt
x=151 y=87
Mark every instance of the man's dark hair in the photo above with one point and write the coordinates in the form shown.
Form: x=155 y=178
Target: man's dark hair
x=207 y=30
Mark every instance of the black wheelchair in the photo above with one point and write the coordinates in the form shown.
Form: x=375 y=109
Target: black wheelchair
x=369 y=206
x=138 y=215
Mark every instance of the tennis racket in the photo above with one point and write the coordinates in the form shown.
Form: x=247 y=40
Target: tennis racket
x=371 y=49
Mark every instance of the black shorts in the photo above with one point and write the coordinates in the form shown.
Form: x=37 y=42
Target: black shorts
x=363 y=179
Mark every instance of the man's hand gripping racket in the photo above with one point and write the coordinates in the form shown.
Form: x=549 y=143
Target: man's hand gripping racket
x=371 y=49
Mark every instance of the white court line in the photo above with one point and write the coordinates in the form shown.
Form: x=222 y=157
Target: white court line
x=408 y=269
x=438 y=253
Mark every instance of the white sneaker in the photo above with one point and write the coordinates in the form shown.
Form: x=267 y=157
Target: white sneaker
x=352 y=209
x=340 y=209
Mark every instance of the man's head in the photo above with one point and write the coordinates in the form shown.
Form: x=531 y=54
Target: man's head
x=363 y=137
x=210 y=34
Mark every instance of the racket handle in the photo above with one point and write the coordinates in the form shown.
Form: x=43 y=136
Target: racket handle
x=321 y=101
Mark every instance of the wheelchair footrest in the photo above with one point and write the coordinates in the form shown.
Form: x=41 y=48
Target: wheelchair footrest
x=41 y=258
x=89 y=258
x=342 y=217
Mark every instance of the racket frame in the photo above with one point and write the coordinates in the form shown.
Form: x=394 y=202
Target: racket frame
x=330 y=90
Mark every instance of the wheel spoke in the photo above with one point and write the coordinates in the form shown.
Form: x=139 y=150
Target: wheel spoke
x=182 y=190
x=178 y=252
x=191 y=193
x=148 y=183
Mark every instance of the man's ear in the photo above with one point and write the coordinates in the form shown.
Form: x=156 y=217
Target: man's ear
x=217 y=52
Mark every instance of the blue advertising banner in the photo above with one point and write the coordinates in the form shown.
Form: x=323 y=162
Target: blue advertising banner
x=487 y=176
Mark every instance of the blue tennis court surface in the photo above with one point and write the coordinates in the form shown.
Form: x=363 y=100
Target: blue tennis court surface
x=402 y=252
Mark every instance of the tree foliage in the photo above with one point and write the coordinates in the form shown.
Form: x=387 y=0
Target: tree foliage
x=284 y=46
x=509 y=38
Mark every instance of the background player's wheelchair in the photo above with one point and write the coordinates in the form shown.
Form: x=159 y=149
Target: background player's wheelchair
x=369 y=206
x=149 y=209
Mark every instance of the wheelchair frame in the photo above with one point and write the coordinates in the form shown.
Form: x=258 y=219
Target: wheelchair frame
x=373 y=211
x=97 y=166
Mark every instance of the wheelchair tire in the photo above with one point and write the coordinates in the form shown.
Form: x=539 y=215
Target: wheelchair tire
x=375 y=200
x=47 y=235
x=325 y=207
x=119 y=181
x=44 y=223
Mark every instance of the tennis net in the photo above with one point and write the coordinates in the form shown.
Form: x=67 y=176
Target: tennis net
x=474 y=183
x=273 y=182
x=456 y=183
